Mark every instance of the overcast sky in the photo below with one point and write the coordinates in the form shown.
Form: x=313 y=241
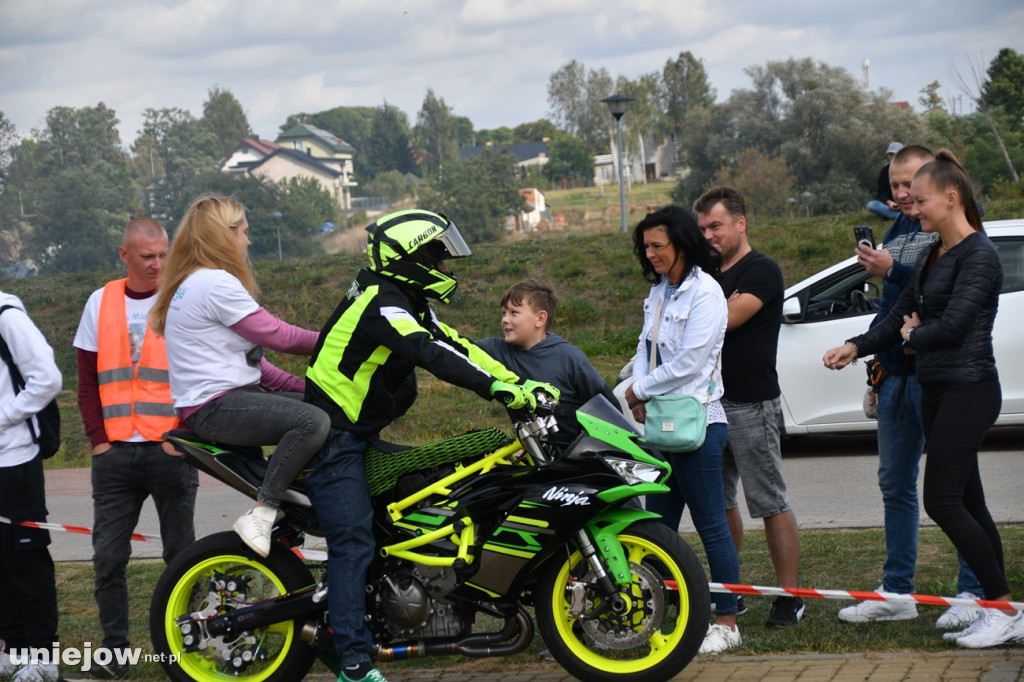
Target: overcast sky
x=489 y=59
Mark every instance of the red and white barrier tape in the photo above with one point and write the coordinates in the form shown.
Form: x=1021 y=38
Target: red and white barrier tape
x=721 y=588
x=77 y=530
x=807 y=593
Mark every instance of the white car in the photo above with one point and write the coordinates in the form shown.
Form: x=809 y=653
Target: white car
x=838 y=303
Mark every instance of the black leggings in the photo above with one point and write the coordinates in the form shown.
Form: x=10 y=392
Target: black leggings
x=956 y=418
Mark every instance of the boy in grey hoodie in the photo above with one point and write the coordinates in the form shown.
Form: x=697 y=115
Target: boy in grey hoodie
x=530 y=350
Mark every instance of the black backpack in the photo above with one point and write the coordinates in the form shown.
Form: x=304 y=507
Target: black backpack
x=48 y=437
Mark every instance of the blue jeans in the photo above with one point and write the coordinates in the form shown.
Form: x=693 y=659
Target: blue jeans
x=697 y=479
x=254 y=417
x=341 y=500
x=900 y=444
x=122 y=478
x=881 y=209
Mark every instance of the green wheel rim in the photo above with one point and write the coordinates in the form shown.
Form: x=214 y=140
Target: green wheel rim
x=659 y=646
x=195 y=664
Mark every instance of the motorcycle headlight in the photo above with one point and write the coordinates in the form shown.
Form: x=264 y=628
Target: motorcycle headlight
x=635 y=472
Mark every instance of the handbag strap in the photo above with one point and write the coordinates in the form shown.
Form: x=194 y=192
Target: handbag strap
x=654 y=353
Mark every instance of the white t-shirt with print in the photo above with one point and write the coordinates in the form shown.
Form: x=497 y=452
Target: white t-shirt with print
x=205 y=357
x=137 y=312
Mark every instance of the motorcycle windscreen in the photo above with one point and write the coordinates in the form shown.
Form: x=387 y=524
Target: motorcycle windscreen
x=599 y=408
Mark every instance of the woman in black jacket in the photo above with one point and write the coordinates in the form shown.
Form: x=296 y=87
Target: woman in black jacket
x=945 y=316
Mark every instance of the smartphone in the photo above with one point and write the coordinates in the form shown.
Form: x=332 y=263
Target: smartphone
x=863 y=235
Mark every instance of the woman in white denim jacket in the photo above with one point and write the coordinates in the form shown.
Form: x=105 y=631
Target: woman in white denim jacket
x=679 y=262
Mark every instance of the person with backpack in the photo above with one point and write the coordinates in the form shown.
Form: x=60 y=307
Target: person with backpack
x=29 y=381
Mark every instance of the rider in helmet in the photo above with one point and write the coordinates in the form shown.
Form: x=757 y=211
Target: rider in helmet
x=362 y=375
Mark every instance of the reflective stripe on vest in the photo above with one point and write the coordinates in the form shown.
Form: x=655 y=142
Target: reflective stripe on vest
x=133 y=399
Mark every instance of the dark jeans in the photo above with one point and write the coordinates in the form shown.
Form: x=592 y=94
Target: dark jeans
x=338 y=491
x=28 y=592
x=122 y=478
x=697 y=481
x=253 y=417
x=956 y=418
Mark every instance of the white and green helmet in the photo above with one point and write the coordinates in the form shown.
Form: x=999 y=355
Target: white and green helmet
x=408 y=246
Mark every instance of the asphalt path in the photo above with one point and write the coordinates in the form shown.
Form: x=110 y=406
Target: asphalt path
x=832 y=483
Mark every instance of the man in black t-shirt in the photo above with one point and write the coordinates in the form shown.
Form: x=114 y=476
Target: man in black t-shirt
x=753 y=285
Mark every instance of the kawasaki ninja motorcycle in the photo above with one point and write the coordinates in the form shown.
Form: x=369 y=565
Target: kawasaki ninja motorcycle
x=469 y=532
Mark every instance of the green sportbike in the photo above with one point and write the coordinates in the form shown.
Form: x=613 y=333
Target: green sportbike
x=471 y=532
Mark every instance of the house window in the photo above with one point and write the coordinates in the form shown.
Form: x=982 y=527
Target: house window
x=297 y=144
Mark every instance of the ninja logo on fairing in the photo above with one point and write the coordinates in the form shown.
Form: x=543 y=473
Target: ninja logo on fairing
x=566 y=497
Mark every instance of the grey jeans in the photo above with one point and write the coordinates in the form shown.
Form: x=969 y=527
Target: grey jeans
x=254 y=417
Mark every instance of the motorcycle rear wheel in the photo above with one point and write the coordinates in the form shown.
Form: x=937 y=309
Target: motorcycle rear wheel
x=187 y=587
x=660 y=631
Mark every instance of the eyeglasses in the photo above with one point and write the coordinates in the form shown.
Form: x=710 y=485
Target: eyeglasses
x=655 y=247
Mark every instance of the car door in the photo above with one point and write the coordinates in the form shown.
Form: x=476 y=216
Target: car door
x=821 y=313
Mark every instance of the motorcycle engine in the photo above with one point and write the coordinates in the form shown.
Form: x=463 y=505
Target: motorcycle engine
x=413 y=605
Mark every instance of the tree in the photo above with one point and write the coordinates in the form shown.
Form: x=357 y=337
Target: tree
x=686 y=87
x=464 y=131
x=930 y=98
x=574 y=95
x=534 y=131
x=816 y=117
x=570 y=164
x=8 y=138
x=81 y=191
x=765 y=182
x=974 y=90
x=436 y=134
x=226 y=118
x=478 y=194
x=387 y=147
x=186 y=147
x=498 y=136
x=1004 y=87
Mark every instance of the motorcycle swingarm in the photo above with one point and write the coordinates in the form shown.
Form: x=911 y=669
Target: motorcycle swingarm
x=307 y=603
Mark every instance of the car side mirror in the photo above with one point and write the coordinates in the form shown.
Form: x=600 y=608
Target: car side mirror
x=794 y=307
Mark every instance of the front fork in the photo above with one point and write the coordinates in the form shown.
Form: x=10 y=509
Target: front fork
x=606 y=550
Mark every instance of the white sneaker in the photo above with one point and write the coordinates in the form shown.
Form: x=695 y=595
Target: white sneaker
x=254 y=527
x=973 y=627
x=998 y=629
x=872 y=611
x=37 y=672
x=719 y=638
x=959 y=617
x=7 y=666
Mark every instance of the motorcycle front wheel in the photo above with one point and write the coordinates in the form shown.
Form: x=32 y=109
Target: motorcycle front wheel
x=214 y=576
x=658 y=632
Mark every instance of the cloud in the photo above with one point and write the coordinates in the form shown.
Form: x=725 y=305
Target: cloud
x=489 y=59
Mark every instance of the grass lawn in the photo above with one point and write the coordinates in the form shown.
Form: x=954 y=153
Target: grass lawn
x=830 y=559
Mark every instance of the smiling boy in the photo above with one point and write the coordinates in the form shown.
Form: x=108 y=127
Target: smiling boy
x=529 y=349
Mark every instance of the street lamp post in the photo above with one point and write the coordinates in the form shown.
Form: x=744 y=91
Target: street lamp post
x=807 y=202
x=277 y=224
x=617 y=105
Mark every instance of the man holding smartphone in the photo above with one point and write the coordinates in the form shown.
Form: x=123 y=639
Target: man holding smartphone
x=900 y=432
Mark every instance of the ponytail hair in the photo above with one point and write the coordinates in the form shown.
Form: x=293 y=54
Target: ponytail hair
x=947 y=172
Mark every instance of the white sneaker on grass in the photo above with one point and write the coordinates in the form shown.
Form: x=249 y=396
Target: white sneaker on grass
x=7 y=666
x=958 y=617
x=255 y=526
x=37 y=672
x=872 y=611
x=976 y=625
x=997 y=629
x=719 y=638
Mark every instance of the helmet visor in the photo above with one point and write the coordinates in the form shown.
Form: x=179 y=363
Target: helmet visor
x=454 y=245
